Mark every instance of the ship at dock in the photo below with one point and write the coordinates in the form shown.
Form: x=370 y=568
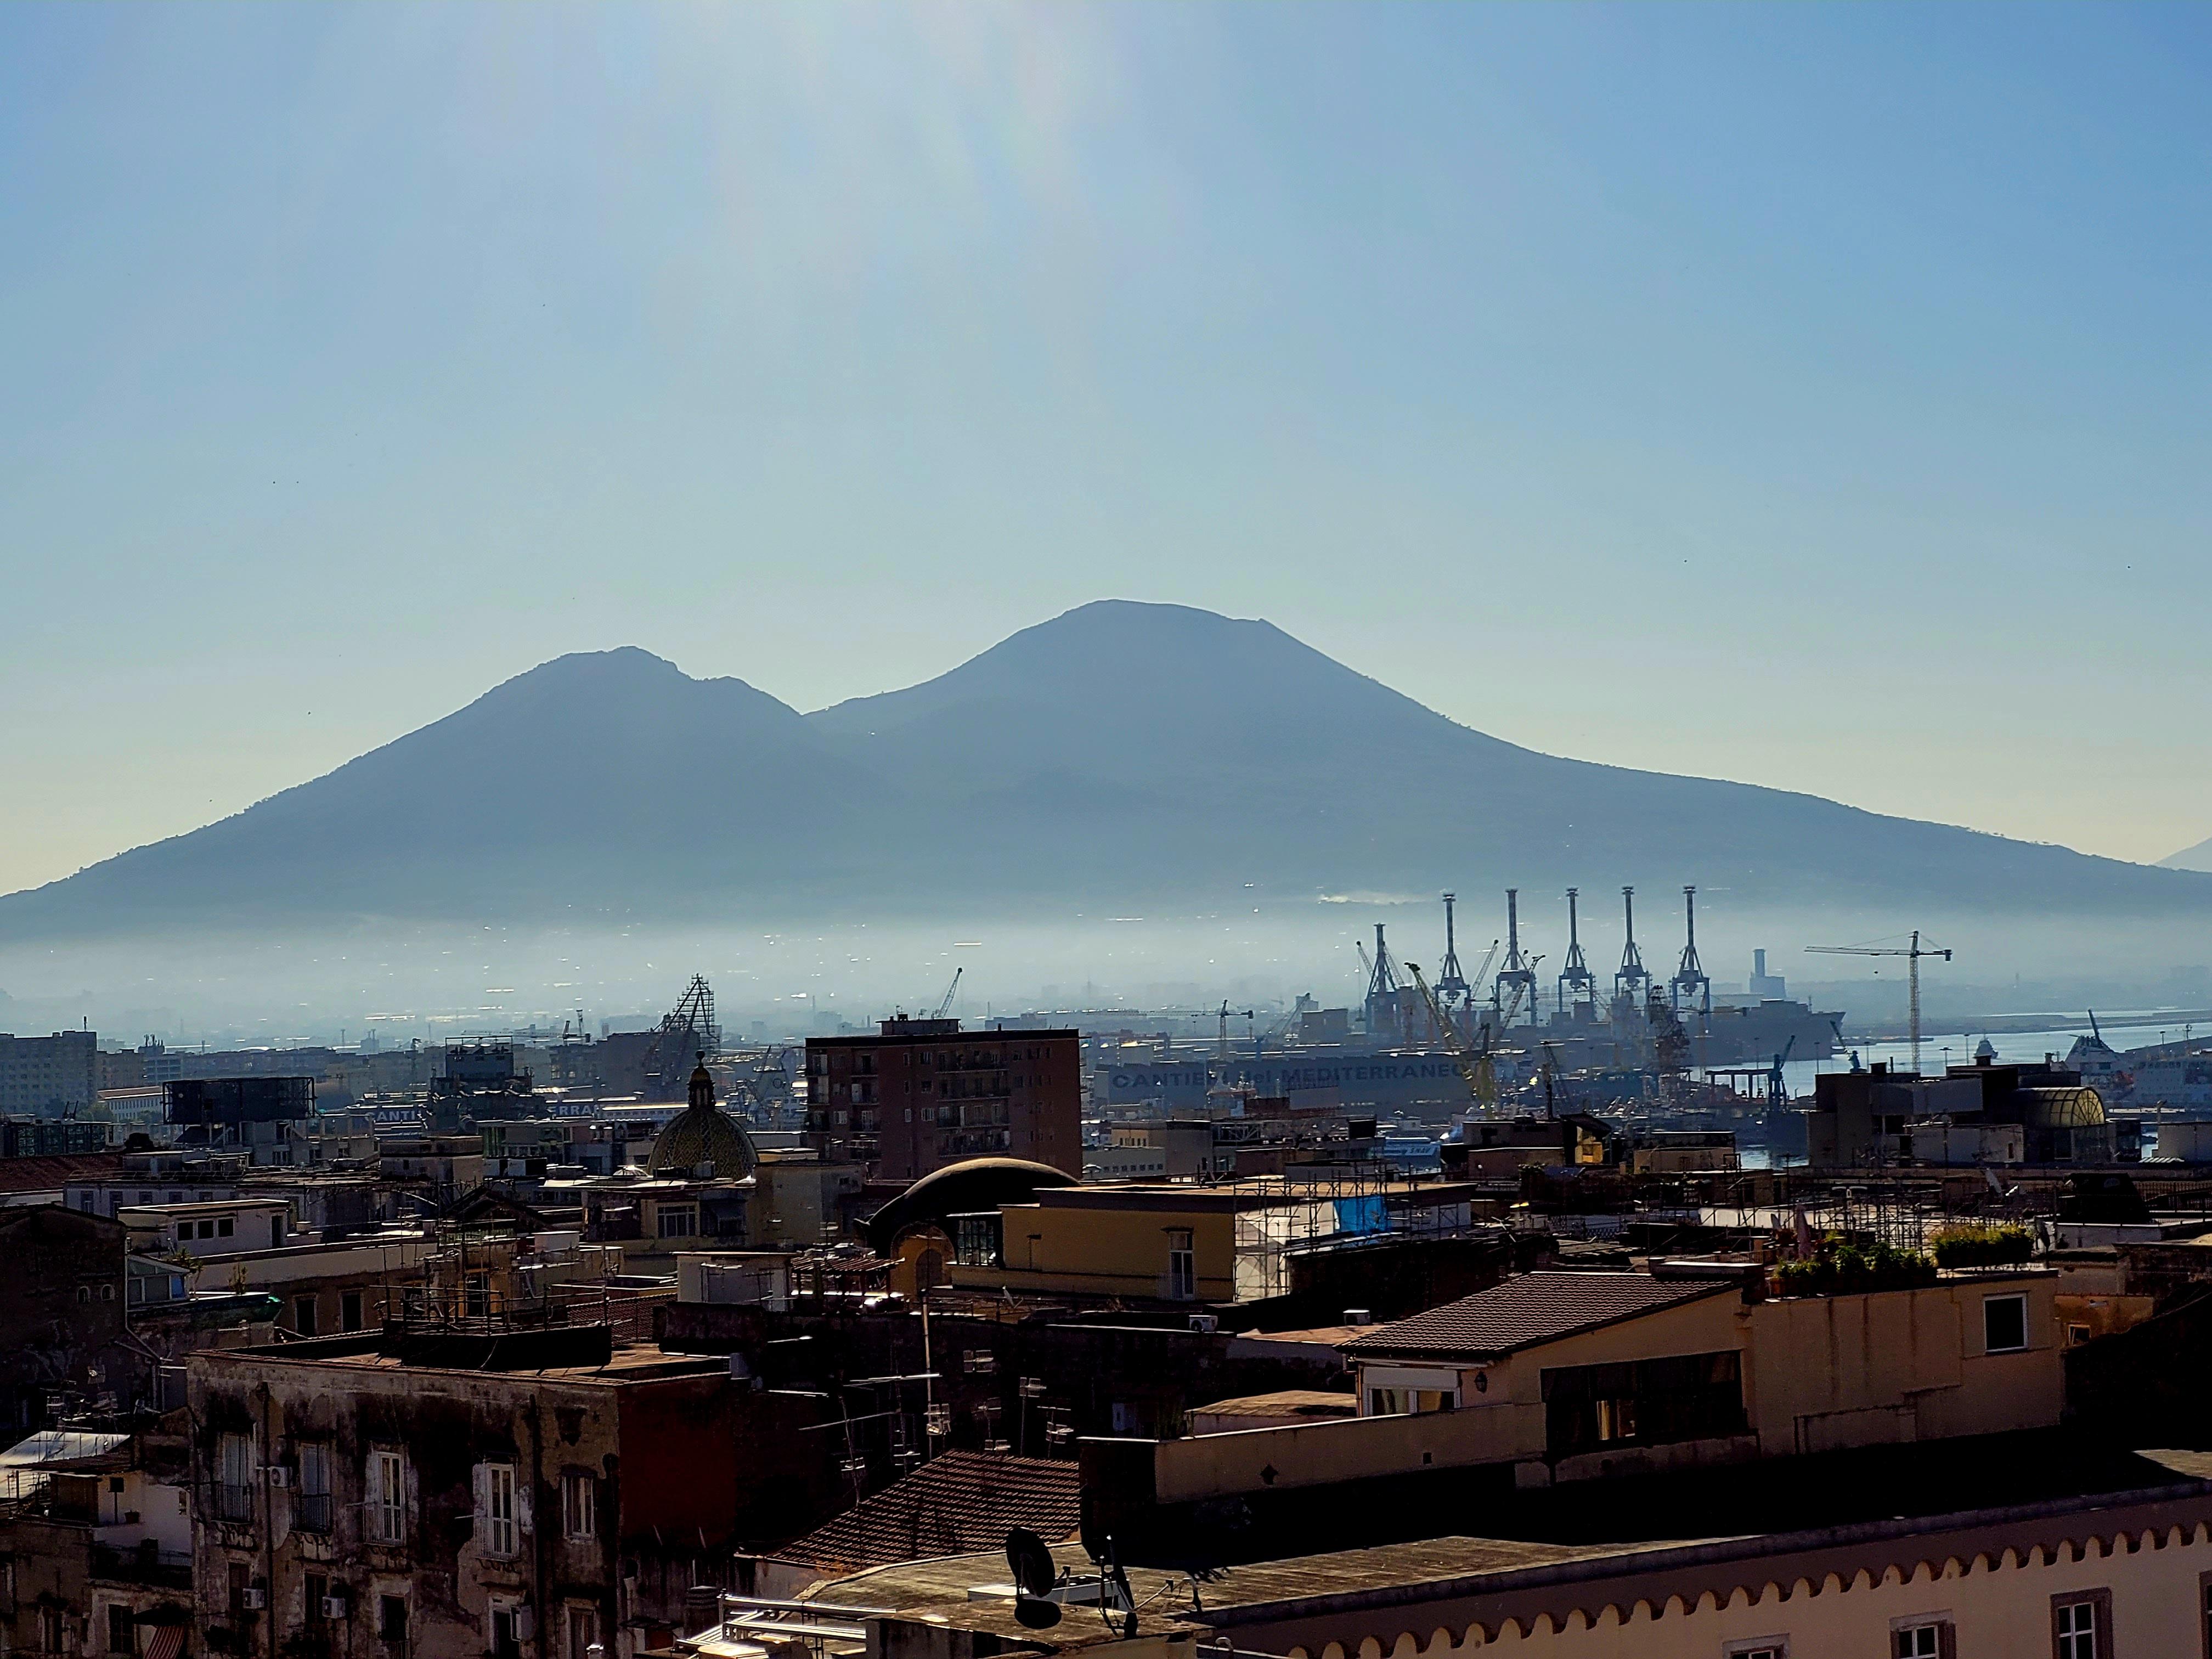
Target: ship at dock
x=1412 y=1048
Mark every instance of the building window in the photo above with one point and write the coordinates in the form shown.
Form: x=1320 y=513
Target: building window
x=2081 y=1625
x=580 y=1505
x=506 y=1642
x=122 y=1630
x=2004 y=1324
x=387 y=1497
x=233 y=1491
x=49 y=1629
x=2077 y=1335
x=678 y=1220
x=303 y=1314
x=392 y=1622
x=1182 y=1266
x=583 y=1631
x=1643 y=1402
x=312 y=1511
x=1931 y=1638
x=976 y=1239
x=499 y=1508
x=317 y=1586
x=349 y=1310
x=1408 y=1402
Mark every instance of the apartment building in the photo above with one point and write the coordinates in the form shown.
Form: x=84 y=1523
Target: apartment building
x=921 y=1094
x=48 y=1076
x=528 y=1493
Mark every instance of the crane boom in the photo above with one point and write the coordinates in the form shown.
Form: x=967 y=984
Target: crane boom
x=1474 y=1066
x=1912 y=953
x=945 y=1002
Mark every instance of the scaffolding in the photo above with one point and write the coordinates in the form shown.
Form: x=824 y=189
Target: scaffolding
x=1312 y=1208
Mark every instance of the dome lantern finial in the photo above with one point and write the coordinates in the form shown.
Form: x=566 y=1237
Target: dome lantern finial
x=701 y=1141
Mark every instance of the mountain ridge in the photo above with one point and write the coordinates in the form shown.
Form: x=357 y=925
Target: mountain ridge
x=1121 y=752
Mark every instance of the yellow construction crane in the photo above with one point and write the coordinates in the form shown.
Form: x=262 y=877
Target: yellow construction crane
x=1474 y=1062
x=1912 y=953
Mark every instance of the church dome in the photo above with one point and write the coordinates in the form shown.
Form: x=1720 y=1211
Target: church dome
x=702 y=1134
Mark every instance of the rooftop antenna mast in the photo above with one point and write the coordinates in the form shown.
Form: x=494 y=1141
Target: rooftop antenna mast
x=1690 y=979
x=1451 y=984
x=1634 y=978
x=1577 y=973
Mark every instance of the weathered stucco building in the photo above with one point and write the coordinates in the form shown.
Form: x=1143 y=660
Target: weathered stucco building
x=521 y=1493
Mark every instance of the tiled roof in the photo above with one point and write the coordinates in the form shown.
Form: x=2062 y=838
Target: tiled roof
x=1536 y=1307
x=1286 y=1402
x=959 y=1503
x=35 y=1175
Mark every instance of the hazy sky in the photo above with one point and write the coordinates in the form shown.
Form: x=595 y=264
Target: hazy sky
x=1816 y=397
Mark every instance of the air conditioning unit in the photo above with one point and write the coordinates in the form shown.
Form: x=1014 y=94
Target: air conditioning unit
x=1208 y=1323
x=334 y=1606
x=253 y=1598
x=279 y=1477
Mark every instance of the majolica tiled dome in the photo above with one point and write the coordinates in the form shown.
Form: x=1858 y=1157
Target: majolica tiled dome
x=701 y=1135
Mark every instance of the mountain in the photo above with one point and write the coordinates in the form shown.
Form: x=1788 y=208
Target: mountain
x=2198 y=857
x=1119 y=755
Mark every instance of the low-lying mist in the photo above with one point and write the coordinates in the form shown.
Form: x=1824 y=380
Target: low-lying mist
x=404 y=981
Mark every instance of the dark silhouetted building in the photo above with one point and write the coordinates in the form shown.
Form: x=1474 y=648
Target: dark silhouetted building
x=923 y=1093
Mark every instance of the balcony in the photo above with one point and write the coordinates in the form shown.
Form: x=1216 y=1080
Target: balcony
x=234 y=1503
x=148 y=1564
x=312 y=1511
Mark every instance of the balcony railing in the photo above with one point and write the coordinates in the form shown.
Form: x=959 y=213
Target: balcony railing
x=234 y=1503
x=149 y=1565
x=312 y=1511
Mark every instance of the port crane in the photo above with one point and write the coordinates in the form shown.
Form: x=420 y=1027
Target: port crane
x=1451 y=984
x=1777 y=1086
x=686 y=1037
x=1634 y=978
x=1690 y=983
x=1474 y=1064
x=945 y=1002
x=1473 y=1056
x=1519 y=971
x=1226 y=1013
x=1576 y=978
x=1912 y=953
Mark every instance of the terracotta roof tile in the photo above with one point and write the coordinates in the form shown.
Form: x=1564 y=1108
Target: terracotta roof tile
x=1536 y=1307
x=958 y=1502
x=33 y=1175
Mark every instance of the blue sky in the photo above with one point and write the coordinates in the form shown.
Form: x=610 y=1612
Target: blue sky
x=1812 y=396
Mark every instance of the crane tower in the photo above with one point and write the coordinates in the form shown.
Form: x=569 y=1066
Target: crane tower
x=1575 y=979
x=1634 y=978
x=1382 y=988
x=1451 y=984
x=1690 y=980
x=1517 y=976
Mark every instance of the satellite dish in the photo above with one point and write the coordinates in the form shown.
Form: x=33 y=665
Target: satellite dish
x=1031 y=1559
